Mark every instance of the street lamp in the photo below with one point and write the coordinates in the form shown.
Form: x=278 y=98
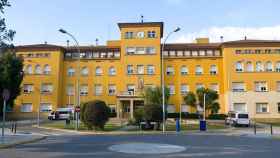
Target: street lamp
x=78 y=74
x=162 y=78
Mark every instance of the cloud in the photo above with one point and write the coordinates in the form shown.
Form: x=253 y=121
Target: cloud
x=232 y=33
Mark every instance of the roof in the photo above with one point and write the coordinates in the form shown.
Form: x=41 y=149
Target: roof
x=191 y=46
x=141 y=24
x=252 y=43
x=38 y=47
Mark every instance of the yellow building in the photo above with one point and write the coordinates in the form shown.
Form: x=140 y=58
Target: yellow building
x=245 y=73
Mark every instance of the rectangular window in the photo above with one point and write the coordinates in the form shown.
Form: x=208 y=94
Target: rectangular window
x=112 y=89
x=171 y=108
x=131 y=89
x=112 y=108
x=84 y=90
x=179 y=53
x=27 y=88
x=150 y=50
x=278 y=107
x=278 y=86
x=185 y=108
x=70 y=89
x=128 y=35
x=171 y=89
x=170 y=70
x=98 y=89
x=214 y=87
x=239 y=107
x=46 y=88
x=261 y=86
x=238 y=86
x=151 y=69
x=198 y=70
x=184 y=89
x=262 y=108
x=26 y=107
x=199 y=85
x=45 y=107
x=129 y=69
x=213 y=70
x=151 y=34
x=140 y=69
x=194 y=53
x=130 y=50
x=140 y=50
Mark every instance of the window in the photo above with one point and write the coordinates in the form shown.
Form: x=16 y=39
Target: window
x=71 y=71
x=47 y=69
x=129 y=69
x=198 y=70
x=249 y=66
x=38 y=70
x=199 y=85
x=130 y=50
x=70 y=89
x=170 y=70
x=140 y=34
x=140 y=50
x=112 y=71
x=171 y=89
x=278 y=107
x=277 y=66
x=184 y=89
x=268 y=66
x=259 y=66
x=238 y=86
x=261 y=86
x=131 y=89
x=26 y=107
x=140 y=69
x=27 y=88
x=185 y=108
x=128 y=35
x=214 y=87
x=262 y=108
x=151 y=69
x=29 y=69
x=239 y=107
x=179 y=53
x=187 y=53
x=202 y=53
x=98 y=89
x=98 y=71
x=84 y=90
x=213 y=69
x=239 y=66
x=45 y=107
x=46 y=88
x=150 y=50
x=278 y=86
x=172 y=53
x=170 y=108
x=151 y=34
x=194 y=53
x=209 y=52
x=84 y=71
x=184 y=70
x=112 y=108
x=112 y=89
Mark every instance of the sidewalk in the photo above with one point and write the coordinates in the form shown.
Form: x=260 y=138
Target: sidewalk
x=11 y=139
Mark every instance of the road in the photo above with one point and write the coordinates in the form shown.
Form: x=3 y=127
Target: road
x=197 y=145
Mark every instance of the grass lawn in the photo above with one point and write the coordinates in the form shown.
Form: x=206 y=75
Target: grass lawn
x=61 y=125
x=184 y=127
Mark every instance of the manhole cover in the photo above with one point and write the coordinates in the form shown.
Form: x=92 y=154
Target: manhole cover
x=146 y=148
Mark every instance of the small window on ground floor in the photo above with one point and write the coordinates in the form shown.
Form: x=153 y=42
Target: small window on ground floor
x=45 y=107
x=185 y=108
x=170 y=108
x=262 y=108
x=26 y=107
x=239 y=107
x=112 y=108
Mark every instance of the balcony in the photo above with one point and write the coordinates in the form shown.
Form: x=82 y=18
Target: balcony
x=130 y=94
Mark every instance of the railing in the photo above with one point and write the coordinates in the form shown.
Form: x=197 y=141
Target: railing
x=129 y=93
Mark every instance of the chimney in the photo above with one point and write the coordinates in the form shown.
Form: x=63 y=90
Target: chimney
x=96 y=42
x=245 y=38
x=67 y=43
x=142 y=19
x=222 y=39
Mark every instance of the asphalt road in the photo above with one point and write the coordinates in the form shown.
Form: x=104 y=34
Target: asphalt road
x=96 y=146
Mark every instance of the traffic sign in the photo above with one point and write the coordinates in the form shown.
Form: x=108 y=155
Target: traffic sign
x=6 y=94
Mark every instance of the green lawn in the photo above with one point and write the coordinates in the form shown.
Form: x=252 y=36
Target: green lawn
x=82 y=127
x=184 y=127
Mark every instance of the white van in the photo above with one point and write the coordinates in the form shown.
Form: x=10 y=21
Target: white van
x=61 y=114
x=238 y=119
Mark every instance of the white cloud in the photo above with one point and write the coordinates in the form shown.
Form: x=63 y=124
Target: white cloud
x=232 y=33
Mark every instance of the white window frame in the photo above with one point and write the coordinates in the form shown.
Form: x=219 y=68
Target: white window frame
x=112 y=89
x=184 y=70
x=24 y=108
x=261 y=106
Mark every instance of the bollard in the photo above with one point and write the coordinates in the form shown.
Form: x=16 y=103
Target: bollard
x=271 y=129
x=15 y=129
x=255 y=129
x=12 y=128
x=177 y=125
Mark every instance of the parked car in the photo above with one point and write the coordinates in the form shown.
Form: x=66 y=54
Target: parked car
x=238 y=119
x=61 y=114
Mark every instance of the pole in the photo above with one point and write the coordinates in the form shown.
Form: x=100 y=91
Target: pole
x=180 y=113
x=38 y=116
x=204 y=107
x=3 y=121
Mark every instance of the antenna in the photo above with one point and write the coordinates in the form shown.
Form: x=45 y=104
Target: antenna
x=142 y=19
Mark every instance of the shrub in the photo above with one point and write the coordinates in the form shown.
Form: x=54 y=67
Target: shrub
x=95 y=114
x=173 y=115
x=153 y=112
x=217 y=117
x=139 y=115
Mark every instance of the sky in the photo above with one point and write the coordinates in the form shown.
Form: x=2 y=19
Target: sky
x=37 y=21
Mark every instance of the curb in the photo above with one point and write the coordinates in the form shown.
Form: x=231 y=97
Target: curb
x=22 y=142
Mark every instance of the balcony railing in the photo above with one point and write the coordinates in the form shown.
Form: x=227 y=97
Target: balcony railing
x=129 y=94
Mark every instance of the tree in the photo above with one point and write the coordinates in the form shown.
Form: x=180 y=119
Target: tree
x=11 y=76
x=154 y=95
x=95 y=114
x=6 y=35
x=211 y=98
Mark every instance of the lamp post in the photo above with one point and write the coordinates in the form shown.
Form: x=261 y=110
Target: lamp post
x=78 y=74
x=162 y=78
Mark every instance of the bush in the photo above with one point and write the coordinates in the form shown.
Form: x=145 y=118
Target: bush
x=95 y=114
x=113 y=114
x=139 y=115
x=153 y=112
x=217 y=117
x=173 y=115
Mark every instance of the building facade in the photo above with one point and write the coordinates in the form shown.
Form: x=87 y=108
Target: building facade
x=245 y=73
